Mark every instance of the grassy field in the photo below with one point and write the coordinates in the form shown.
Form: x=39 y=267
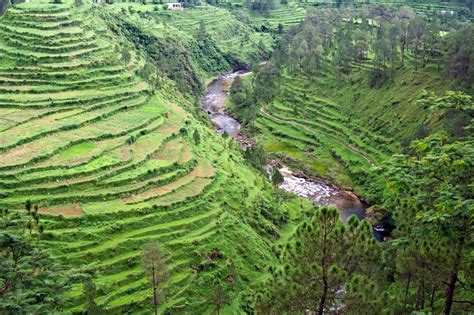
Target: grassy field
x=112 y=163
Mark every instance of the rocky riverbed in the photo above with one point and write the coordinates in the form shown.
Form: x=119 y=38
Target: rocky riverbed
x=318 y=191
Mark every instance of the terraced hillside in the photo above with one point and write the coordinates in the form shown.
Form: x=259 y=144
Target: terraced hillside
x=235 y=39
x=112 y=163
x=342 y=131
x=306 y=125
x=287 y=15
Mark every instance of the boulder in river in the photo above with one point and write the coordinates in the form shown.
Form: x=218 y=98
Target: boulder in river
x=300 y=175
x=380 y=218
x=375 y=214
x=349 y=193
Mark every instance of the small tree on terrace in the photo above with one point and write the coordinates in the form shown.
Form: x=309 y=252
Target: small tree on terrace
x=202 y=33
x=153 y=260
x=196 y=137
x=90 y=293
x=277 y=177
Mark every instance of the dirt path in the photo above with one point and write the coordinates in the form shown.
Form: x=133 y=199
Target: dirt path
x=294 y=123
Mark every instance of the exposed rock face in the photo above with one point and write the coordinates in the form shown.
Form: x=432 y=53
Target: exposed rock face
x=375 y=214
x=349 y=193
x=380 y=218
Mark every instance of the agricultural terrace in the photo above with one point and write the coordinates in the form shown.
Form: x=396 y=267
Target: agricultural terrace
x=343 y=126
x=306 y=126
x=232 y=36
x=112 y=163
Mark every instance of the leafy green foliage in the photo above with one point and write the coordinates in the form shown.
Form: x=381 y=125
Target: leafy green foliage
x=456 y=108
x=431 y=194
x=207 y=56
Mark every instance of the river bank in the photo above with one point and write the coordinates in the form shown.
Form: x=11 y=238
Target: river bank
x=318 y=191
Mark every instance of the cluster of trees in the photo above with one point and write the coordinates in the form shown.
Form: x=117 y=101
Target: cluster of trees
x=168 y=56
x=31 y=281
x=248 y=95
x=385 y=37
x=262 y=6
x=243 y=100
x=426 y=266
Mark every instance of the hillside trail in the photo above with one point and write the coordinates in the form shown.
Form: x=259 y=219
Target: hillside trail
x=294 y=123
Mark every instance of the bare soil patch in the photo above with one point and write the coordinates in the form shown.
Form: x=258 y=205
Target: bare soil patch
x=170 y=150
x=71 y=210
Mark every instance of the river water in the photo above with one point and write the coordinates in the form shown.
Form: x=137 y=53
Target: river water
x=214 y=104
x=320 y=192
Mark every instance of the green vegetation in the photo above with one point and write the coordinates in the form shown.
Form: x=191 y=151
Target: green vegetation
x=116 y=195
x=30 y=280
x=322 y=255
x=341 y=94
x=97 y=130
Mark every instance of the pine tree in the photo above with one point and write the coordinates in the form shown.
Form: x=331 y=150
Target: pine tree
x=262 y=48
x=270 y=5
x=249 y=4
x=322 y=257
x=196 y=137
x=31 y=280
x=154 y=264
x=90 y=293
x=280 y=28
x=202 y=33
x=28 y=206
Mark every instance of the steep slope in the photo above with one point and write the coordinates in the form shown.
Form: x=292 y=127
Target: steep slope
x=113 y=163
x=335 y=114
x=236 y=40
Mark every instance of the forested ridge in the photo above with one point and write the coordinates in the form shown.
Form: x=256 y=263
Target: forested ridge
x=117 y=196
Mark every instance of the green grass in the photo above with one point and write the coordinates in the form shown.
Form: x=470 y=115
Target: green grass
x=112 y=161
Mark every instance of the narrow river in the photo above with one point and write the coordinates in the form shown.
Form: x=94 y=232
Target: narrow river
x=320 y=192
